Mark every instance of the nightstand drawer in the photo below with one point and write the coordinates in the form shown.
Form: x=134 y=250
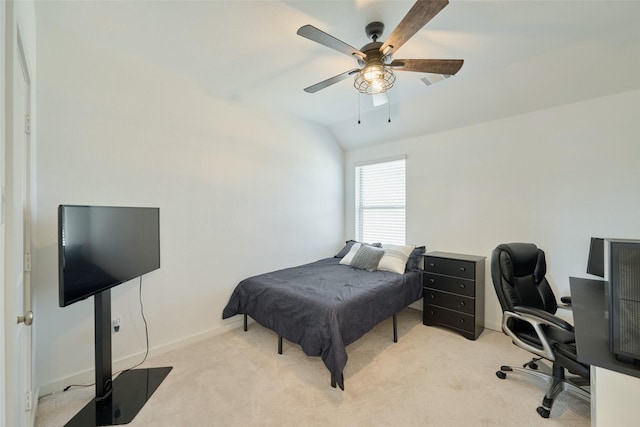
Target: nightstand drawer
x=453 y=285
x=451 y=319
x=450 y=301
x=450 y=267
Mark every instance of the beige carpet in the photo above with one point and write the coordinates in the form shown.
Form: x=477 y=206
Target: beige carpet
x=432 y=377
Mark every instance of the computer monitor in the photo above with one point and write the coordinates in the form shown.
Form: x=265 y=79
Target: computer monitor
x=595 y=264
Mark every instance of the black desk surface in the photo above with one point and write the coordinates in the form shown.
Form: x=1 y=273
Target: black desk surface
x=592 y=326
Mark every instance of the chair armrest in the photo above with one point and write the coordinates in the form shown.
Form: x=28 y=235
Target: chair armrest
x=537 y=319
x=566 y=300
x=546 y=317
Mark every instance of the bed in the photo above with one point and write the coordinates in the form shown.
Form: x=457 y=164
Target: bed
x=325 y=305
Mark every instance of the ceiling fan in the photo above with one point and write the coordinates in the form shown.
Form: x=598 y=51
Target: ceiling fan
x=374 y=74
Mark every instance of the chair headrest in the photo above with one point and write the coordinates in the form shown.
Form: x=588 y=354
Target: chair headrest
x=524 y=259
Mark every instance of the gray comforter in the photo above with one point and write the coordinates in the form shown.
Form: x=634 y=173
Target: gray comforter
x=324 y=306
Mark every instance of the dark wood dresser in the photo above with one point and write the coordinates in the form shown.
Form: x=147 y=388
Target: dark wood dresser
x=453 y=291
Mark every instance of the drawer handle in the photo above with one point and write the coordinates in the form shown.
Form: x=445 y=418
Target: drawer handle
x=431 y=311
x=432 y=296
x=461 y=304
x=462 y=286
x=432 y=280
x=461 y=320
x=432 y=265
x=463 y=269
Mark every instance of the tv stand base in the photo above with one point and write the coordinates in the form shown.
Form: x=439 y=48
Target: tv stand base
x=130 y=391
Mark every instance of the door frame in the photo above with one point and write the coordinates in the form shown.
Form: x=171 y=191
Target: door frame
x=3 y=134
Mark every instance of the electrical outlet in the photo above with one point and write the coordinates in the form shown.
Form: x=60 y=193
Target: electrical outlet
x=117 y=322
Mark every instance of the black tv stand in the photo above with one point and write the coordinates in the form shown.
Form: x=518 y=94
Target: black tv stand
x=130 y=391
x=119 y=401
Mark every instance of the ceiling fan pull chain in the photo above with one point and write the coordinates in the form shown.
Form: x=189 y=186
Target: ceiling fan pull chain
x=389 y=105
x=359 y=107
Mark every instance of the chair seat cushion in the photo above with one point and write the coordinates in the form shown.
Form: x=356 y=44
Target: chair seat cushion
x=525 y=332
x=559 y=336
x=567 y=357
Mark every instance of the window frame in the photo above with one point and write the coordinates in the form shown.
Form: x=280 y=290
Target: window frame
x=361 y=207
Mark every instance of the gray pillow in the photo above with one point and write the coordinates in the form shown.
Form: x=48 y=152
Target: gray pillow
x=345 y=250
x=367 y=258
x=349 y=244
x=414 y=259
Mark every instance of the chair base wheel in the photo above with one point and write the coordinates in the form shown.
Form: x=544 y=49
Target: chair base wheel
x=543 y=412
x=501 y=375
x=506 y=368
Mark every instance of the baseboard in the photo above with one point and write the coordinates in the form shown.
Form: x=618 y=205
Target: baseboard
x=416 y=305
x=493 y=326
x=34 y=407
x=87 y=377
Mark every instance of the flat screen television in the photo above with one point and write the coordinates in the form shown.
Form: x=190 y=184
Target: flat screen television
x=103 y=246
x=100 y=247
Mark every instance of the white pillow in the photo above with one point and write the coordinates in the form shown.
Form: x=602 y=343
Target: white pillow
x=346 y=260
x=395 y=258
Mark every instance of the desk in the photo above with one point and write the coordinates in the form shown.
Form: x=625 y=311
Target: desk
x=614 y=384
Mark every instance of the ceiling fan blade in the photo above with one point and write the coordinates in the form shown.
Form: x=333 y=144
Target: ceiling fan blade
x=325 y=83
x=312 y=33
x=417 y=17
x=435 y=66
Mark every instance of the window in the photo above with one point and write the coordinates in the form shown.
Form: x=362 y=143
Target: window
x=380 y=202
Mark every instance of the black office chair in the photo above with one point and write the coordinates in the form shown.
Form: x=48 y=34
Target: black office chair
x=528 y=307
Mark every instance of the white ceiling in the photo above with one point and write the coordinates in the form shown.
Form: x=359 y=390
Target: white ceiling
x=520 y=56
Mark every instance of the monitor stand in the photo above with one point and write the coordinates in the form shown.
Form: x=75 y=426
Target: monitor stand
x=130 y=391
x=118 y=401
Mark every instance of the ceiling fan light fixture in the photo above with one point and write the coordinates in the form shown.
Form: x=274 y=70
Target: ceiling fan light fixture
x=375 y=62
x=374 y=78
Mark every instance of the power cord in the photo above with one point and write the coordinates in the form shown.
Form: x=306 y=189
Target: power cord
x=146 y=353
x=146 y=329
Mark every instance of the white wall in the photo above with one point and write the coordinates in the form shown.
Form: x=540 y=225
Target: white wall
x=554 y=177
x=240 y=192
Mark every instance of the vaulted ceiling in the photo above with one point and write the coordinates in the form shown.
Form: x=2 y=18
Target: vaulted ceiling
x=519 y=55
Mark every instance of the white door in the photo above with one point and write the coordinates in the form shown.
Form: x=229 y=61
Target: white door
x=3 y=115
x=18 y=248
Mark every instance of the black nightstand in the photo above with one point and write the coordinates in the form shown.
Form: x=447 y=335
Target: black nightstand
x=453 y=291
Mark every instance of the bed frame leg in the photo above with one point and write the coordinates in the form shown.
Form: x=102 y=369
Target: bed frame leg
x=395 y=328
x=334 y=381
x=245 y=323
x=279 y=344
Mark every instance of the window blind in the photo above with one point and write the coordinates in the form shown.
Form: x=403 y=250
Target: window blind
x=381 y=202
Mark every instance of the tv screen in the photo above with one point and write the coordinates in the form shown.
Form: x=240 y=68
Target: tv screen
x=100 y=247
